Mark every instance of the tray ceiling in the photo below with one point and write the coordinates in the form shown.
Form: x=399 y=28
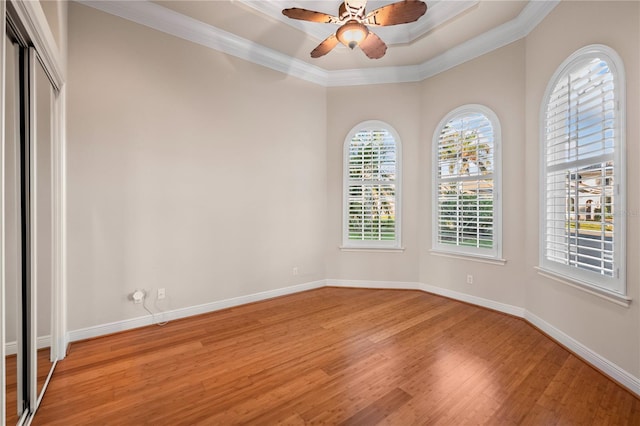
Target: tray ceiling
x=451 y=32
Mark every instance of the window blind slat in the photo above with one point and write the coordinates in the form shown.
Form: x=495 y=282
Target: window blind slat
x=371 y=186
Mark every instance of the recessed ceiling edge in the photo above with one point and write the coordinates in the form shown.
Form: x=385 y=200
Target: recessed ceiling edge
x=170 y=22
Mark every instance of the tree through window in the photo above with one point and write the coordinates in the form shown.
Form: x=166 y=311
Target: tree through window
x=466 y=209
x=372 y=187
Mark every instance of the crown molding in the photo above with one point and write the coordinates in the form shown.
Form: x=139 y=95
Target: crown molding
x=437 y=14
x=498 y=37
x=168 y=21
x=381 y=75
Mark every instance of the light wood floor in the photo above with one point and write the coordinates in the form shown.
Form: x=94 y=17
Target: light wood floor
x=331 y=356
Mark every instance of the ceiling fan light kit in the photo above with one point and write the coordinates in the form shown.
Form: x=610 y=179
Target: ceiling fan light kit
x=353 y=21
x=352 y=34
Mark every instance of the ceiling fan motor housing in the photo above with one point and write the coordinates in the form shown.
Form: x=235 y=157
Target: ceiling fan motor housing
x=352 y=33
x=346 y=11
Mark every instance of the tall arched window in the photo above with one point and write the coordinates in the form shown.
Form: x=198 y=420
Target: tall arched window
x=371 y=197
x=583 y=173
x=466 y=183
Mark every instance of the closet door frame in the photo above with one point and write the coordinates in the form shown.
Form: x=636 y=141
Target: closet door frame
x=3 y=338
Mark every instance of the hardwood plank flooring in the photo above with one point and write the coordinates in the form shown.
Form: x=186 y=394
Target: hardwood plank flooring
x=11 y=391
x=334 y=356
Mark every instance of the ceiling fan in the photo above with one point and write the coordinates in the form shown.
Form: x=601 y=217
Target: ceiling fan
x=353 y=21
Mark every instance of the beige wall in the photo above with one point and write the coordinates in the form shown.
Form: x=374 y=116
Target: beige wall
x=495 y=80
x=511 y=81
x=187 y=169
x=56 y=13
x=608 y=329
x=170 y=144
x=398 y=106
x=414 y=110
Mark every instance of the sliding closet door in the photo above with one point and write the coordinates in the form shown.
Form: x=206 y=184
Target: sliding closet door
x=15 y=397
x=28 y=206
x=31 y=210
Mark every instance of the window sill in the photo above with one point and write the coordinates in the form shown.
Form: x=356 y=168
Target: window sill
x=610 y=296
x=480 y=259
x=373 y=249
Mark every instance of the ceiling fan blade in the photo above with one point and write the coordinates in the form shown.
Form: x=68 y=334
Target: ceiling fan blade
x=309 y=15
x=325 y=47
x=401 y=12
x=373 y=46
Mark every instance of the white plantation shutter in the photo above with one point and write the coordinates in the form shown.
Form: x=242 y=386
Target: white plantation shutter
x=466 y=164
x=582 y=174
x=371 y=187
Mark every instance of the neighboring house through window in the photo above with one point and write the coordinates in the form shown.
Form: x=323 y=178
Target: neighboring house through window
x=371 y=204
x=583 y=174
x=466 y=183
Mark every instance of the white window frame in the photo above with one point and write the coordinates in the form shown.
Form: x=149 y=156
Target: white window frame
x=494 y=253
x=613 y=288
x=392 y=245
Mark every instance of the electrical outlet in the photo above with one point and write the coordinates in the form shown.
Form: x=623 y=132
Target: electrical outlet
x=469 y=279
x=161 y=294
x=295 y=270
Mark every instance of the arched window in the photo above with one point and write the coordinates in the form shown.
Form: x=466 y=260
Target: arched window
x=466 y=183
x=583 y=174
x=371 y=200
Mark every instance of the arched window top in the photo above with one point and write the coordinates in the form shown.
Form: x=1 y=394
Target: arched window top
x=457 y=136
x=372 y=156
x=466 y=183
x=578 y=64
x=471 y=110
x=583 y=192
x=374 y=129
x=582 y=106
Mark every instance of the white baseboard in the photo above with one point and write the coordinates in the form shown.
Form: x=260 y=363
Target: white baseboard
x=11 y=348
x=607 y=367
x=114 y=327
x=516 y=311
x=601 y=363
x=402 y=285
x=392 y=285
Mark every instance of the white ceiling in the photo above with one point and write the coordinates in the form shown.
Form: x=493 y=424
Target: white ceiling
x=451 y=32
